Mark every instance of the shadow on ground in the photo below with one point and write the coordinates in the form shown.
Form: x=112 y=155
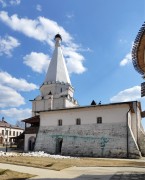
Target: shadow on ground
x=117 y=176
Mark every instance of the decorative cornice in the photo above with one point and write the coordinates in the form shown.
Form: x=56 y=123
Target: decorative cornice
x=138 y=51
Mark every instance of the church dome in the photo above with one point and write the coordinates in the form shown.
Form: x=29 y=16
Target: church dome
x=58 y=36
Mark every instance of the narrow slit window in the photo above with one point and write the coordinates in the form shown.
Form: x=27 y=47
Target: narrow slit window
x=78 y=121
x=99 y=120
x=60 y=122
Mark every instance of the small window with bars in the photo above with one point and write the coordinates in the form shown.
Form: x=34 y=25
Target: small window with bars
x=60 y=122
x=99 y=120
x=78 y=121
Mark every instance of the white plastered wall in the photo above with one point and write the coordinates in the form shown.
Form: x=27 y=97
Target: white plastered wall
x=109 y=114
x=14 y=133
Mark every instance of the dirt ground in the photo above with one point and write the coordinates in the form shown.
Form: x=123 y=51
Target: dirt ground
x=9 y=175
x=59 y=164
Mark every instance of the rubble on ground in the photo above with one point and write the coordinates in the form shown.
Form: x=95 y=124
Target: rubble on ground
x=34 y=154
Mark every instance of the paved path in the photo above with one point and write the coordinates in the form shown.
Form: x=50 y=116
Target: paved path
x=81 y=173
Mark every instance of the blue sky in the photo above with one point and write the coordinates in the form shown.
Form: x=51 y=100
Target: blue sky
x=97 y=40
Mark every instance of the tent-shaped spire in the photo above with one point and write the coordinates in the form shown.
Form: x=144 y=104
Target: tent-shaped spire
x=57 y=71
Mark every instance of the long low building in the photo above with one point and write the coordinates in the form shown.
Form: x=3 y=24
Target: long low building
x=108 y=130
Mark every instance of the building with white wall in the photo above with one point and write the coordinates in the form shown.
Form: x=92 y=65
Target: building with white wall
x=8 y=131
x=64 y=127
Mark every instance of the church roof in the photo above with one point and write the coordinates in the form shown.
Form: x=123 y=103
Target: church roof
x=57 y=71
x=5 y=124
x=130 y=103
x=138 y=56
x=34 y=119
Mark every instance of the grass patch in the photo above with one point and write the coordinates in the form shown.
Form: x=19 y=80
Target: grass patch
x=2 y=171
x=6 y=174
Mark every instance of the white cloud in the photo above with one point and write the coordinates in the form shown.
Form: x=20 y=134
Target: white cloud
x=130 y=94
x=69 y=15
x=41 y=29
x=38 y=7
x=126 y=60
x=44 y=30
x=17 y=84
x=3 y=3
x=122 y=41
x=7 y=44
x=85 y=50
x=6 y=3
x=16 y=114
x=9 y=97
x=37 y=61
x=15 y=2
x=75 y=66
x=74 y=61
x=51 y=27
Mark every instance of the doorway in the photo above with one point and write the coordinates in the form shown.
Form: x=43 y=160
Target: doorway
x=31 y=143
x=59 y=142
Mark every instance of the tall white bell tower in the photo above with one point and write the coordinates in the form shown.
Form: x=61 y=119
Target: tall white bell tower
x=56 y=91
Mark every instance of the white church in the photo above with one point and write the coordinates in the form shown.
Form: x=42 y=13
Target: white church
x=60 y=126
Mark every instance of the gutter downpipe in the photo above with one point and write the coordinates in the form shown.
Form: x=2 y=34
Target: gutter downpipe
x=137 y=125
x=127 y=147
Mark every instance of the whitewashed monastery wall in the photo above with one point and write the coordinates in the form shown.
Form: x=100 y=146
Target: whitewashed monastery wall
x=112 y=138
x=88 y=140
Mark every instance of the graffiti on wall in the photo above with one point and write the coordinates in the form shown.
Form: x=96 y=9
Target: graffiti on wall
x=103 y=142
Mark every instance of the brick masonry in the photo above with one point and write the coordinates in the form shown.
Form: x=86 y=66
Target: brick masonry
x=90 y=140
